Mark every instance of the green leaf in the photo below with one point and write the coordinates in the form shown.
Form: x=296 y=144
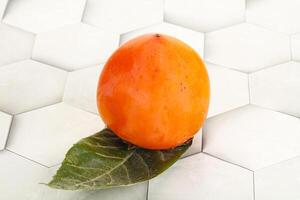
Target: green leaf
x=104 y=160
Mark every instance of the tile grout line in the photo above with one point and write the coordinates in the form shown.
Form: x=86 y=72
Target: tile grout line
x=84 y=110
x=9 y=130
x=202 y=138
x=16 y=61
x=237 y=165
x=147 y=192
x=220 y=28
x=270 y=109
x=278 y=163
x=52 y=104
x=271 y=66
x=227 y=111
x=291 y=49
x=4 y=11
x=84 y=11
x=33 y=45
x=27 y=158
x=203 y=48
x=199 y=31
x=17 y=28
x=250 y=72
x=245 y=14
x=88 y=67
x=267 y=29
x=40 y=107
x=51 y=65
x=143 y=27
x=164 y=11
x=56 y=165
x=65 y=86
x=190 y=155
x=253 y=179
x=120 y=40
x=63 y=69
x=284 y=113
x=249 y=90
x=296 y=61
x=6 y=112
x=223 y=66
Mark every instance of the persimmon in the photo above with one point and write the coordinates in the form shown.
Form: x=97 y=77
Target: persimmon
x=153 y=92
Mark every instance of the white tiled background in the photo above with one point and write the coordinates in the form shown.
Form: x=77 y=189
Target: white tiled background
x=51 y=55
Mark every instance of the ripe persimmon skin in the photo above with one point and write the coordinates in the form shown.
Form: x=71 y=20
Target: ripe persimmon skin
x=154 y=92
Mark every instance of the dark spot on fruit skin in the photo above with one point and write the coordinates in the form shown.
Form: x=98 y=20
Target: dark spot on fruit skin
x=157 y=35
x=182 y=87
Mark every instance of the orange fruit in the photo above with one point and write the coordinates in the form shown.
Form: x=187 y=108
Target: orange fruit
x=154 y=92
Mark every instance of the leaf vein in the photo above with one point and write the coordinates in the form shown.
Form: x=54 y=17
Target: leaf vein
x=101 y=146
x=145 y=164
x=85 y=168
x=127 y=173
x=109 y=171
x=106 y=156
x=162 y=156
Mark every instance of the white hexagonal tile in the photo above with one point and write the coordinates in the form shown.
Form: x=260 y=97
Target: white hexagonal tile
x=81 y=88
x=196 y=146
x=134 y=192
x=246 y=47
x=202 y=177
x=39 y=16
x=5 y=121
x=204 y=15
x=15 y=45
x=28 y=85
x=229 y=89
x=252 y=137
x=20 y=178
x=123 y=16
x=44 y=135
x=3 y=4
x=75 y=46
x=277 y=88
x=277 y=182
x=192 y=38
x=295 y=41
x=282 y=16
